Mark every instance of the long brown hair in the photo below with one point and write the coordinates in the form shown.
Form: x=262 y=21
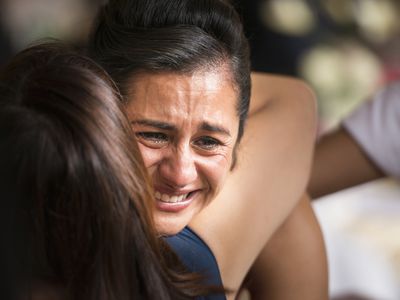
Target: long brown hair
x=72 y=160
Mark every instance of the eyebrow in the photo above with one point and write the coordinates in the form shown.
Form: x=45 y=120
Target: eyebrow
x=167 y=126
x=214 y=128
x=155 y=124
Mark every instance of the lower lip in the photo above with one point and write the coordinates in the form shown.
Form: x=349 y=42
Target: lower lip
x=174 y=207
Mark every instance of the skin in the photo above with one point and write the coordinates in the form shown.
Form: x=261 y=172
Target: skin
x=292 y=265
x=284 y=264
x=269 y=227
x=339 y=163
x=187 y=142
x=252 y=202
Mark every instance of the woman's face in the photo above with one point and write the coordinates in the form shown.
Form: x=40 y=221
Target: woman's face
x=187 y=127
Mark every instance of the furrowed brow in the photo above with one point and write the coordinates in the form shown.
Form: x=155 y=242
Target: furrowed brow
x=214 y=128
x=155 y=124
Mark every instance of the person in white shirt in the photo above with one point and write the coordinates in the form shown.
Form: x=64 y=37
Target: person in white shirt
x=365 y=147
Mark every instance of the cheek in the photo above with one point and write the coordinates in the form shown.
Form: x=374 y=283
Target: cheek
x=215 y=170
x=150 y=156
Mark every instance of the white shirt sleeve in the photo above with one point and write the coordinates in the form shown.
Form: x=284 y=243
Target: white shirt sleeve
x=375 y=125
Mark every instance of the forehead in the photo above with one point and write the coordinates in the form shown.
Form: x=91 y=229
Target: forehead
x=201 y=94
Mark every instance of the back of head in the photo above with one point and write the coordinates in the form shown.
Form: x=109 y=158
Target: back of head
x=71 y=161
x=181 y=36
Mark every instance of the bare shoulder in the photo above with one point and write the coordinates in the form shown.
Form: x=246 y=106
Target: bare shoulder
x=274 y=161
x=279 y=90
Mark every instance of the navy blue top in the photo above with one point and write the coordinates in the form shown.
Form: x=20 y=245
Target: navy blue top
x=198 y=258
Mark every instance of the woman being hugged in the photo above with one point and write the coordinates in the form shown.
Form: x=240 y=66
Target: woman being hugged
x=183 y=69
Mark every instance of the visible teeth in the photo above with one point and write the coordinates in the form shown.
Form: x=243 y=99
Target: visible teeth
x=170 y=199
x=165 y=198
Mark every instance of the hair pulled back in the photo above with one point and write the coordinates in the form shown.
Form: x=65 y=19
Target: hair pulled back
x=183 y=36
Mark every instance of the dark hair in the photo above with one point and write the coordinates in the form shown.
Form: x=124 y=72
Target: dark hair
x=73 y=162
x=133 y=36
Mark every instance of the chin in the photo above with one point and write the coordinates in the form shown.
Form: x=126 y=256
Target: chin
x=168 y=229
x=168 y=223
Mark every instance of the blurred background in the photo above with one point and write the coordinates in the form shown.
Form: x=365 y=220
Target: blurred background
x=345 y=50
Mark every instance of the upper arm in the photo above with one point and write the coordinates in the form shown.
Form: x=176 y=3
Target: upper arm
x=365 y=148
x=271 y=175
x=293 y=264
x=339 y=163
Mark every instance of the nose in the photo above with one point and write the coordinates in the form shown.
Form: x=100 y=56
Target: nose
x=179 y=168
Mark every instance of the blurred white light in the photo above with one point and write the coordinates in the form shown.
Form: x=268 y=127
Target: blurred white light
x=342 y=76
x=28 y=20
x=378 y=19
x=292 y=17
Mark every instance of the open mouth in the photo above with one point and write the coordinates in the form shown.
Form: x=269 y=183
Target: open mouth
x=174 y=203
x=173 y=198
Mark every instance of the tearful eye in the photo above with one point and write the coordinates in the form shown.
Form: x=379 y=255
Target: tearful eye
x=207 y=143
x=152 y=138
